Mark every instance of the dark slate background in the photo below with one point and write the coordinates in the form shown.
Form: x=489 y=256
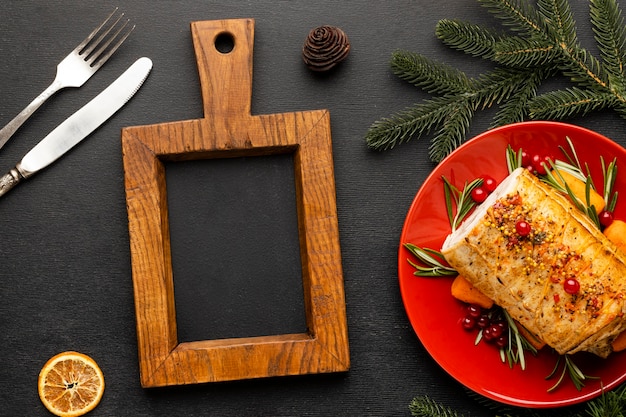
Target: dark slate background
x=65 y=280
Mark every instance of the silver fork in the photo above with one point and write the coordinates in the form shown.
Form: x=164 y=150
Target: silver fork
x=77 y=67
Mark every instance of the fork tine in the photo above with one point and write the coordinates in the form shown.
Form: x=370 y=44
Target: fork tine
x=93 y=44
x=104 y=51
x=106 y=56
x=81 y=46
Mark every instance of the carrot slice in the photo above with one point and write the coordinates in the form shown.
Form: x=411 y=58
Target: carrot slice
x=619 y=343
x=616 y=233
x=464 y=291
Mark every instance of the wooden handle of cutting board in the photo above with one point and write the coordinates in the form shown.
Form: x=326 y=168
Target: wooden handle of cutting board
x=227 y=87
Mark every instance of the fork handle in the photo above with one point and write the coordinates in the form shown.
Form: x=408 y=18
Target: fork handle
x=7 y=131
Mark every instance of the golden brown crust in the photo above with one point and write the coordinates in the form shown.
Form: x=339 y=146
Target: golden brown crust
x=525 y=274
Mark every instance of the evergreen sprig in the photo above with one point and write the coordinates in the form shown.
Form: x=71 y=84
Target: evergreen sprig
x=427 y=407
x=609 y=404
x=537 y=43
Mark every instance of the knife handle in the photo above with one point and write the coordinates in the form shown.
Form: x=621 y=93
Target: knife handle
x=10 y=180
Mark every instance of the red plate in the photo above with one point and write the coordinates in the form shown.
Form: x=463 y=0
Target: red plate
x=435 y=315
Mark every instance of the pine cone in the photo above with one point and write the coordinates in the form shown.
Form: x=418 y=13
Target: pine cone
x=325 y=47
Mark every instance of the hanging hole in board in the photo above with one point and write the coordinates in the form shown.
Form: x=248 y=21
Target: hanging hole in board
x=224 y=42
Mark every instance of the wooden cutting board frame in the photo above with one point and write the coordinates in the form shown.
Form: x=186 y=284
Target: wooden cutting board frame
x=229 y=130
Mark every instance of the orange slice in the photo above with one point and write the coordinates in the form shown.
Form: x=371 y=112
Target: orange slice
x=70 y=384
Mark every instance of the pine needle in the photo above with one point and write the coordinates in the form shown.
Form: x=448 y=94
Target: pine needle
x=426 y=407
x=559 y=104
x=466 y=37
x=610 y=35
x=537 y=42
x=517 y=15
x=608 y=404
x=433 y=77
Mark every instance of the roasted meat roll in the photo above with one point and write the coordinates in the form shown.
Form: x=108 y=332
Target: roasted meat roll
x=558 y=275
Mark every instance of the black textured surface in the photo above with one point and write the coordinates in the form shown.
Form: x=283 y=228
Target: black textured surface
x=65 y=280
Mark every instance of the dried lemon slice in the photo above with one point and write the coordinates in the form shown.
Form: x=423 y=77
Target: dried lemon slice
x=70 y=384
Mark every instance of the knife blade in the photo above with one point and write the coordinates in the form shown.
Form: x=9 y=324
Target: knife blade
x=79 y=125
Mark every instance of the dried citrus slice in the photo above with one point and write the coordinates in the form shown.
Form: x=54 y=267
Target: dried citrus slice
x=70 y=384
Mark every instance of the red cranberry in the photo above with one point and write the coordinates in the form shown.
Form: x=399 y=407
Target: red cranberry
x=483 y=321
x=495 y=330
x=479 y=194
x=489 y=184
x=502 y=342
x=606 y=218
x=571 y=286
x=488 y=335
x=474 y=311
x=522 y=228
x=536 y=163
x=468 y=323
x=502 y=324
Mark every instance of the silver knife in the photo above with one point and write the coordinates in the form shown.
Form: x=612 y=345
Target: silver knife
x=79 y=125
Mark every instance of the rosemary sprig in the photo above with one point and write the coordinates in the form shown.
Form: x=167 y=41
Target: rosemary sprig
x=513 y=159
x=573 y=160
x=433 y=260
x=458 y=205
x=459 y=202
x=514 y=352
x=569 y=367
x=610 y=174
x=573 y=167
x=556 y=180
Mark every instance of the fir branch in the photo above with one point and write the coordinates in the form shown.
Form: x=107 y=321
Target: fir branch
x=559 y=21
x=516 y=108
x=412 y=122
x=471 y=39
x=609 y=404
x=499 y=85
x=431 y=76
x=562 y=103
x=426 y=407
x=452 y=113
x=583 y=68
x=455 y=126
x=542 y=42
x=557 y=44
x=610 y=35
x=517 y=15
x=519 y=52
